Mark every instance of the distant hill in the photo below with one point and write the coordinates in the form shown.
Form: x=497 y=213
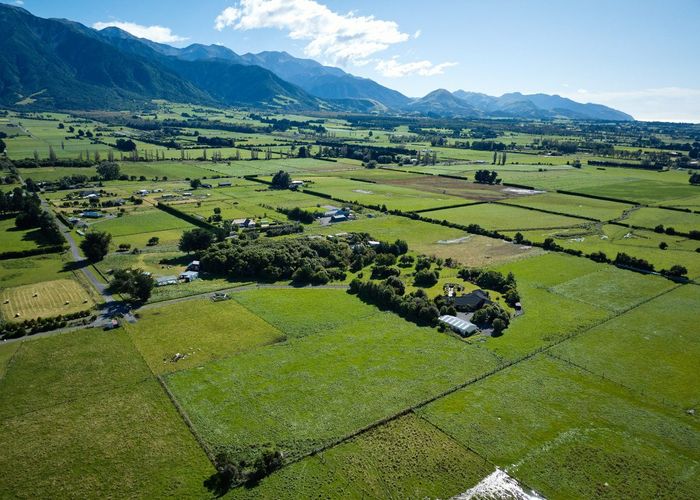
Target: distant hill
x=441 y=102
x=60 y=64
x=541 y=106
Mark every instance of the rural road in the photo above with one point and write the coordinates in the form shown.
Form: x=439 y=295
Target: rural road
x=113 y=307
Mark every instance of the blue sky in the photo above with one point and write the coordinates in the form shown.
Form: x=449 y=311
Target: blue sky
x=639 y=56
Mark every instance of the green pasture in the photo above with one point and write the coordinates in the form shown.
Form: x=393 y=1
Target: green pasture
x=149 y=221
x=52 y=174
x=85 y=408
x=15 y=239
x=364 y=193
x=201 y=330
x=17 y=272
x=573 y=205
x=611 y=239
x=406 y=458
x=502 y=218
x=652 y=217
x=570 y=434
x=297 y=395
x=432 y=239
x=653 y=349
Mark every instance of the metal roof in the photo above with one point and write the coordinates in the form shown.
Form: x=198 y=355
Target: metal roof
x=460 y=324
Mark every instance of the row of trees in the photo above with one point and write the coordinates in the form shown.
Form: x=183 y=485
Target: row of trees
x=389 y=294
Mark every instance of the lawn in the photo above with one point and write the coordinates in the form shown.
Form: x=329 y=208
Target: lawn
x=201 y=330
x=406 y=458
x=310 y=391
x=43 y=300
x=502 y=218
x=570 y=434
x=653 y=349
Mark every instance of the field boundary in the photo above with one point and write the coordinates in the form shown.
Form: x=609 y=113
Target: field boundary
x=497 y=369
x=186 y=419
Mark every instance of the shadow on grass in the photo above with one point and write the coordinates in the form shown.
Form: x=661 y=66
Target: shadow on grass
x=75 y=266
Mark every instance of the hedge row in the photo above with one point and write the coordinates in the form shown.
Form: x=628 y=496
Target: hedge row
x=188 y=218
x=18 y=254
x=596 y=197
x=32 y=326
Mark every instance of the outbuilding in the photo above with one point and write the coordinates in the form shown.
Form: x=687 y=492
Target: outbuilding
x=166 y=280
x=189 y=276
x=457 y=325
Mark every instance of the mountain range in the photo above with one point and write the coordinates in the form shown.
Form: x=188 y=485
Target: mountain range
x=60 y=64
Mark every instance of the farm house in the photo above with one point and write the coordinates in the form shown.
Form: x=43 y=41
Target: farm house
x=460 y=326
x=472 y=301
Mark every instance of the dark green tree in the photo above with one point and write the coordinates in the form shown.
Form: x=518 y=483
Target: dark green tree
x=108 y=171
x=196 y=240
x=95 y=245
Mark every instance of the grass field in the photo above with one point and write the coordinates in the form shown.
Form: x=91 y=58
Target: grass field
x=394 y=197
x=611 y=239
x=569 y=434
x=14 y=239
x=324 y=310
x=43 y=300
x=563 y=295
x=94 y=421
x=573 y=205
x=432 y=239
x=406 y=458
x=303 y=389
x=149 y=221
x=17 y=272
x=201 y=330
x=652 y=349
x=502 y=218
x=652 y=217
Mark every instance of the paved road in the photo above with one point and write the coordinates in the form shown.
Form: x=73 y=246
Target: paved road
x=113 y=307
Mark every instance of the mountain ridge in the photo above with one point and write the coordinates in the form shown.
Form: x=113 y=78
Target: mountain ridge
x=62 y=64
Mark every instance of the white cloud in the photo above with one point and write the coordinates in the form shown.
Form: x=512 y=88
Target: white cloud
x=19 y=2
x=392 y=68
x=417 y=34
x=332 y=37
x=657 y=104
x=154 y=33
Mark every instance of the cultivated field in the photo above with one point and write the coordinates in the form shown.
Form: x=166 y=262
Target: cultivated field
x=43 y=300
